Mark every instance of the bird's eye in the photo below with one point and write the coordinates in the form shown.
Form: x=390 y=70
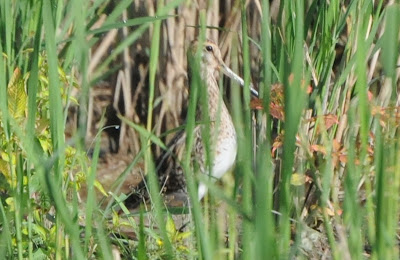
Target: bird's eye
x=209 y=48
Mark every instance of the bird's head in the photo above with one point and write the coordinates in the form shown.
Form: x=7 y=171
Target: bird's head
x=211 y=62
x=210 y=56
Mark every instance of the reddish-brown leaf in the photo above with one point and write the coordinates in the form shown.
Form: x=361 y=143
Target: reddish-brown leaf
x=318 y=148
x=256 y=104
x=277 y=111
x=330 y=120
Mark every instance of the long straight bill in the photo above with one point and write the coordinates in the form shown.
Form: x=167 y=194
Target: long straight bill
x=228 y=72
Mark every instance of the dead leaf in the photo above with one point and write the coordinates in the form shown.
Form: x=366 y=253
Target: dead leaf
x=370 y=95
x=329 y=212
x=330 y=120
x=318 y=148
x=256 y=104
x=277 y=111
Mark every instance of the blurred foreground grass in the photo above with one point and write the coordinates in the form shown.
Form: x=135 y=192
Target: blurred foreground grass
x=318 y=164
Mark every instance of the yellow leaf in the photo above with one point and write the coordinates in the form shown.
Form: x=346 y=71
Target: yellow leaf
x=61 y=73
x=183 y=248
x=115 y=219
x=100 y=188
x=17 y=97
x=24 y=231
x=125 y=223
x=330 y=212
x=4 y=168
x=183 y=235
x=40 y=231
x=37 y=215
x=4 y=156
x=10 y=203
x=170 y=226
x=53 y=230
x=297 y=179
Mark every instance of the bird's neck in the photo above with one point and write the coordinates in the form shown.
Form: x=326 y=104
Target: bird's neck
x=216 y=106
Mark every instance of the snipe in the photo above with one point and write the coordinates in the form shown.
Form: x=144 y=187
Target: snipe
x=222 y=134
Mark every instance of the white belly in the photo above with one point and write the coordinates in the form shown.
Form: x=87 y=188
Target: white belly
x=224 y=158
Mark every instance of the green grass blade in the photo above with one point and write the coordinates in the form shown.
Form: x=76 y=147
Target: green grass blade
x=246 y=145
x=266 y=243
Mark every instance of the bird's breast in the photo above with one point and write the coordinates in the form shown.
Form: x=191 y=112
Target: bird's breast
x=225 y=150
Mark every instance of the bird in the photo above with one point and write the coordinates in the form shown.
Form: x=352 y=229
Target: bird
x=222 y=134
